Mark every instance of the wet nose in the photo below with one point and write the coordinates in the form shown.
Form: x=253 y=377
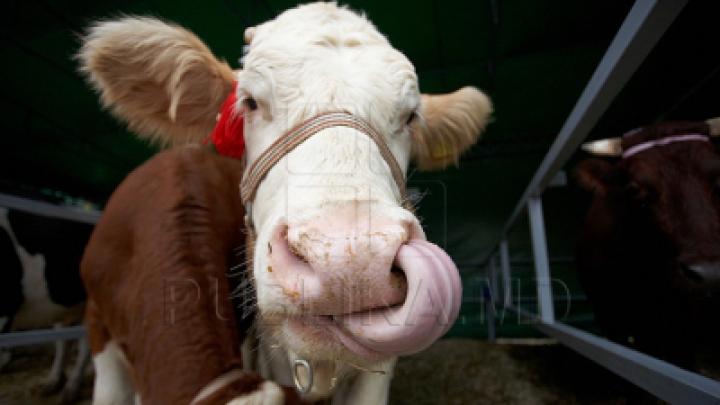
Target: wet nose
x=341 y=262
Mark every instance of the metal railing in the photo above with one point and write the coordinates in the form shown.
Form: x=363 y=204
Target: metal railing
x=644 y=25
x=33 y=337
x=52 y=211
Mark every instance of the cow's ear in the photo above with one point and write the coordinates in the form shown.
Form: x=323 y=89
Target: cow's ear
x=159 y=78
x=452 y=123
x=599 y=176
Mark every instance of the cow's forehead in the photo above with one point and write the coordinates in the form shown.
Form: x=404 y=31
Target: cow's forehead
x=322 y=52
x=315 y=23
x=666 y=165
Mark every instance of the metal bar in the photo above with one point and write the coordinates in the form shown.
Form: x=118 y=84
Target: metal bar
x=506 y=273
x=492 y=275
x=490 y=314
x=487 y=300
x=47 y=209
x=642 y=28
x=542 y=266
x=518 y=262
x=42 y=336
x=531 y=298
x=663 y=380
x=552 y=260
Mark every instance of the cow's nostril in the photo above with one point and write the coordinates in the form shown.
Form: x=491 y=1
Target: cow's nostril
x=398 y=279
x=298 y=254
x=396 y=272
x=295 y=246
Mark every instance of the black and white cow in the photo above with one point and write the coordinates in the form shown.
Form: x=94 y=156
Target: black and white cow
x=40 y=286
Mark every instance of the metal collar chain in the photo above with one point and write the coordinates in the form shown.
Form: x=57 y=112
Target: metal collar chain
x=305 y=130
x=299 y=363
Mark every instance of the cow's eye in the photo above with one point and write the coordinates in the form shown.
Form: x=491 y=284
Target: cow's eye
x=638 y=193
x=410 y=118
x=250 y=103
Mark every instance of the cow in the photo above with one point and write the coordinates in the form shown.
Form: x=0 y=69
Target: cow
x=40 y=287
x=161 y=324
x=648 y=256
x=327 y=118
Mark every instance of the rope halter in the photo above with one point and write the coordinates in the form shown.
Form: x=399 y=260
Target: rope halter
x=664 y=141
x=300 y=133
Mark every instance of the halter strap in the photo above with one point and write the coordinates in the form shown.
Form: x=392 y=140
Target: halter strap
x=302 y=132
x=664 y=141
x=217 y=384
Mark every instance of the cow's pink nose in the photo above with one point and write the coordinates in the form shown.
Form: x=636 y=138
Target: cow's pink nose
x=340 y=266
x=380 y=291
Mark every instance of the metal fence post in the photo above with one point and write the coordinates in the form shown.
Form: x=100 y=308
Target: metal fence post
x=506 y=277
x=487 y=302
x=542 y=264
x=493 y=276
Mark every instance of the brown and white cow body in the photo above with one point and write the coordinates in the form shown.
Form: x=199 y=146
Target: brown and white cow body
x=344 y=277
x=649 y=254
x=160 y=322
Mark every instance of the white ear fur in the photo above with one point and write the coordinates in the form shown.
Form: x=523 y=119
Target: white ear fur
x=159 y=78
x=249 y=35
x=452 y=123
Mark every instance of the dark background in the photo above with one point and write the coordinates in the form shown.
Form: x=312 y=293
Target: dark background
x=533 y=57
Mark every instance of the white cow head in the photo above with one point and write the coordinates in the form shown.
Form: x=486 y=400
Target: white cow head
x=341 y=266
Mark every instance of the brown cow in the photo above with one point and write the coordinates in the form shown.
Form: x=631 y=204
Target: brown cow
x=160 y=325
x=650 y=249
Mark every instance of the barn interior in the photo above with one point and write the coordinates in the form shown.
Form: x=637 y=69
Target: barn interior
x=533 y=58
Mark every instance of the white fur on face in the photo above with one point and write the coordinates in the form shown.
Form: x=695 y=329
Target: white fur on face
x=297 y=68
x=315 y=59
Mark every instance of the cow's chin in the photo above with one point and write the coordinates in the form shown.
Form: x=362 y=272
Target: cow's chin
x=319 y=338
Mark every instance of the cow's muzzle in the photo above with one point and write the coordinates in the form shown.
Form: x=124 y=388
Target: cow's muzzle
x=396 y=298
x=431 y=306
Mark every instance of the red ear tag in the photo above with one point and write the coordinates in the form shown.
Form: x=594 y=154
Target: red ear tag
x=228 y=136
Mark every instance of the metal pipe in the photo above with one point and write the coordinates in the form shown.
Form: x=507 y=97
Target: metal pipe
x=542 y=266
x=41 y=336
x=48 y=210
x=506 y=273
x=644 y=25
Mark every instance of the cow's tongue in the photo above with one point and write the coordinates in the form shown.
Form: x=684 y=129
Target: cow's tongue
x=431 y=307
